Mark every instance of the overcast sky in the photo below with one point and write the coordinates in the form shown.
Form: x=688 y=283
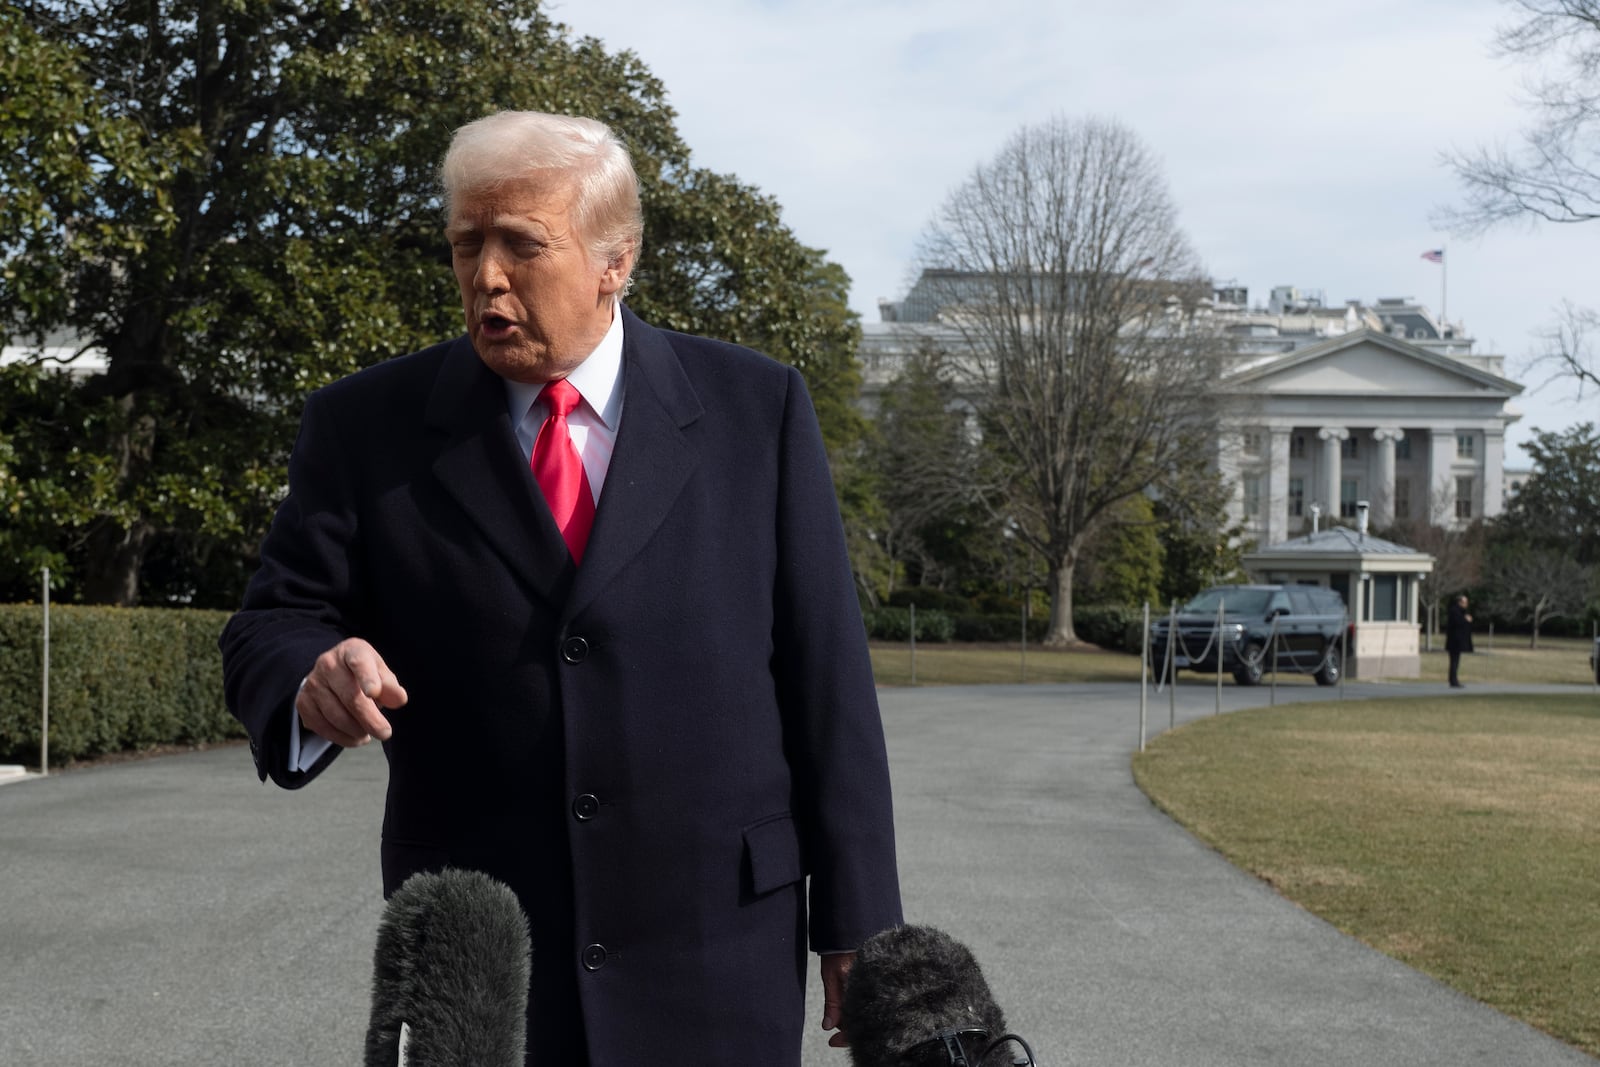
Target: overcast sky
x=1301 y=142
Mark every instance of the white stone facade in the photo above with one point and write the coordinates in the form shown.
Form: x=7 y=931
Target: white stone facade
x=1325 y=407
x=1417 y=431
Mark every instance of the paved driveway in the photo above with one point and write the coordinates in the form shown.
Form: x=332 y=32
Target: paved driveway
x=174 y=912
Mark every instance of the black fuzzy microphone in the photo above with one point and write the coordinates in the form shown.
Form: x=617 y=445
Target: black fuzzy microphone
x=450 y=975
x=915 y=997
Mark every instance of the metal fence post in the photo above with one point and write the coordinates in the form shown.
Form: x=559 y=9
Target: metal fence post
x=1173 y=638
x=1144 y=673
x=1344 y=650
x=1272 y=650
x=1024 y=667
x=1221 y=614
x=44 y=684
x=913 y=644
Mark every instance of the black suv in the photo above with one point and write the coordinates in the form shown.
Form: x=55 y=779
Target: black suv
x=1304 y=623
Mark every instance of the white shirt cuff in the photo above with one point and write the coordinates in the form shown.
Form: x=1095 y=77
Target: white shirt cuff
x=304 y=748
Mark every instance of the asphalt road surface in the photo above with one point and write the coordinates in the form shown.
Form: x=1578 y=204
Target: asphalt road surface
x=173 y=911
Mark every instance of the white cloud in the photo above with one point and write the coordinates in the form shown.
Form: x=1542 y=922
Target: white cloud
x=1302 y=142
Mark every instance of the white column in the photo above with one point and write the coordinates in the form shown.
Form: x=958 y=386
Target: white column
x=1382 y=494
x=1332 y=468
x=1494 y=472
x=1441 y=481
x=1229 y=449
x=1278 y=487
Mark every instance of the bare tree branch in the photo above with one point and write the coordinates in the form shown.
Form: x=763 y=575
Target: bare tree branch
x=1535 y=585
x=1076 y=296
x=1568 y=348
x=1555 y=174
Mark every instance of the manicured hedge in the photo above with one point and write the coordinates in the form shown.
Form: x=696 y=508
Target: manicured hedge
x=999 y=627
x=1111 y=626
x=894 y=624
x=120 y=679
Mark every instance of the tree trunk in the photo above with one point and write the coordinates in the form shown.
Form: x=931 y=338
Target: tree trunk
x=1061 y=634
x=111 y=572
x=116 y=552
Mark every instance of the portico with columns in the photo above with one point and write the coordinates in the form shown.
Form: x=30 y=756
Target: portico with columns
x=1364 y=417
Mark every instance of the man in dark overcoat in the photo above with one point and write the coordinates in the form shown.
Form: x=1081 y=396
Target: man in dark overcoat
x=646 y=706
x=1457 y=637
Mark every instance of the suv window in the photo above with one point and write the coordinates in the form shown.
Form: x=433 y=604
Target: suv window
x=1240 y=601
x=1303 y=602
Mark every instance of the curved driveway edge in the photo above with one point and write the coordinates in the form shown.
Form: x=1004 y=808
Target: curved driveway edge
x=174 y=911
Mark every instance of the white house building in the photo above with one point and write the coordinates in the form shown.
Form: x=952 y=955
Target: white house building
x=1325 y=407
x=1382 y=403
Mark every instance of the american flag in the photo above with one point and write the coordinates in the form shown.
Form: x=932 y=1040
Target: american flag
x=1434 y=256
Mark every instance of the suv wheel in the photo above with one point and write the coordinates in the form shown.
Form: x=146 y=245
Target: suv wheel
x=1249 y=670
x=1332 y=667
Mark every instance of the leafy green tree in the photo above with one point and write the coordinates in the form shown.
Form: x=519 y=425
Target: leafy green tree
x=236 y=204
x=1558 y=507
x=1122 y=563
x=923 y=459
x=1200 y=547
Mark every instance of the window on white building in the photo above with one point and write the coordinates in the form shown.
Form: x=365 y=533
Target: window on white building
x=1297 y=497
x=1402 y=498
x=1252 y=495
x=1385 y=598
x=1466 y=446
x=1297 y=446
x=1402 y=448
x=1252 y=443
x=1347 y=448
x=1463 y=498
x=1347 y=498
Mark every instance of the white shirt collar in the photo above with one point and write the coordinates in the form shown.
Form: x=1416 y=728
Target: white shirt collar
x=597 y=379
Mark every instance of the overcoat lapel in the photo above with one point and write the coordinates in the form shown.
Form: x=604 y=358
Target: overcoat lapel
x=480 y=465
x=651 y=463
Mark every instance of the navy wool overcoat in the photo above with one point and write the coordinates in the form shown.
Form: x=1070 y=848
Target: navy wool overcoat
x=668 y=753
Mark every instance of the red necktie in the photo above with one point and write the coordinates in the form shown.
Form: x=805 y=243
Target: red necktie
x=559 y=471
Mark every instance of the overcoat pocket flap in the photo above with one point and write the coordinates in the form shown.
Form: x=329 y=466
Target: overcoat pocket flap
x=772 y=849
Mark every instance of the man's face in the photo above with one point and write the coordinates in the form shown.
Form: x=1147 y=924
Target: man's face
x=536 y=301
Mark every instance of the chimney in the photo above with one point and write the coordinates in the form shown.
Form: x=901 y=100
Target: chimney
x=1361 y=518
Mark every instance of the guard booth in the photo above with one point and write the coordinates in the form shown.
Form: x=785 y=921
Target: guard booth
x=1378 y=580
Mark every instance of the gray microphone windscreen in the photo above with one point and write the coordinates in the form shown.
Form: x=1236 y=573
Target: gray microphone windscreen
x=451 y=967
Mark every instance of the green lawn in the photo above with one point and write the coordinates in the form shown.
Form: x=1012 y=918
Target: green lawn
x=1560 y=660
x=1507 y=658
x=1460 y=835
x=970 y=664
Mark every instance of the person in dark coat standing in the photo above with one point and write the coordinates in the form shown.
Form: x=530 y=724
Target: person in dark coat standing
x=1457 y=636
x=586 y=581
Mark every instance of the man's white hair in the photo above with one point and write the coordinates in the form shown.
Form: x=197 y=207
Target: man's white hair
x=513 y=146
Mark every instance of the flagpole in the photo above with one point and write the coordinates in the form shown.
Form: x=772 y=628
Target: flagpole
x=1444 y=287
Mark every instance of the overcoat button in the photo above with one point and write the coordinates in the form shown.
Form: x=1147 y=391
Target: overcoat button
x=586 y=807
x=594 y=957
x=574 y=650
